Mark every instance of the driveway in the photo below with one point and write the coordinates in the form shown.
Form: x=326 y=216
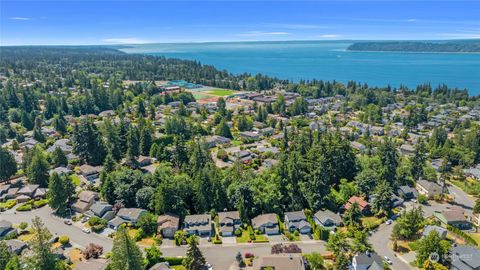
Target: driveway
x=461 y=198
x=56 y=226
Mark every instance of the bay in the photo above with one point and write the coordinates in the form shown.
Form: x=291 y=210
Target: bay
x=328 y=60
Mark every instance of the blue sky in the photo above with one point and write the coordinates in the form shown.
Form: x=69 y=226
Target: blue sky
x=116 y=22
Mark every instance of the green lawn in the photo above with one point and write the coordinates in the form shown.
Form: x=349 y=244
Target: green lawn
x=476 y=237
x=178 y=267
x=221 y=92
x=236 y=143
x=244 y=238
x=470 y=186
x=199 y=96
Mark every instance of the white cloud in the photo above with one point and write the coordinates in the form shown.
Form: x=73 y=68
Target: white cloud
x=329 y=36
x=411 y=20
x=124 y=41
x=262 y=33
x=20 y=18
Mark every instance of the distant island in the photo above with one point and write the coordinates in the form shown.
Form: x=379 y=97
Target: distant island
x=460 y=46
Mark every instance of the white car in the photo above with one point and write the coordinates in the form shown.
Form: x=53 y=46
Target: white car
x=387 y=260
x=388 y=222
x=209 y=266
x=86 y=230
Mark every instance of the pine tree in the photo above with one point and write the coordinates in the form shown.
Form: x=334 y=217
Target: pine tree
x=37 y=171
x=5 y=254
x=223 y=129
x=59 y=158
x=145 y=140
x=133 y=149
x=194 y=259
x=42 y=258
x=60 y=190
x=8 y=166
x=125 y=253
x=87 y=142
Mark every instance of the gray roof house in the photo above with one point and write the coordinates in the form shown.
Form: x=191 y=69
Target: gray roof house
x=327 y=219
x=16 y=246
x=367 y=261
x=85 y=199
x=430 y=228
x=6 y=228
x=428 y=188
x=126 y=215
x=465 y=258
x=101 y=210
x=297 y=221
x=28 y=190
x=168 y=224
x=407 y=192
x=266 y=223
x=200 y=225
x=228 y=222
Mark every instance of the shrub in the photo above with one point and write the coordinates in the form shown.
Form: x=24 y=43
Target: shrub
x=24 y=207
x=172 y=261
x=422 y=199
x=92 y=251
x=40 y=203
x=23 y=225
x=140 y=234
x=64 y=240
x=238 y=232
x=10 y=204
x=222 y=154
x=249 y=255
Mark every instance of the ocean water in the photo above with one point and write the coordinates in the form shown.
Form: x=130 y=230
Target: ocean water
x=328 y=60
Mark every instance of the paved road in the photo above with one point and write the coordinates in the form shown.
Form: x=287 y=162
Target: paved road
x=380 y=239
x=56 y=226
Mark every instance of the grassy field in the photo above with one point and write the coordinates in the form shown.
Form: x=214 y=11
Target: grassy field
x=244 y=238
x=476 y=237
x=178 y=267
x=199 y=96
x=220 y=92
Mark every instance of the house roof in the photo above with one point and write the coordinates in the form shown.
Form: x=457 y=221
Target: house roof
x=117 y=221
x=428 y=229
x=355 y=199
x=430 y=186
x=231 y=215
x=296 y=215
x=168 y=221
x=324 y=215
x=99 y=207
x=454 y=215
x=465 y=257
x=93 y=264
x=263 y=219
x=87 y=196
x=160 y=266
x=132 y=213
x=15 y=245
x=5 y=224
x=28 y=189
x=280 y=262
x=202 y=218
x=368 y=259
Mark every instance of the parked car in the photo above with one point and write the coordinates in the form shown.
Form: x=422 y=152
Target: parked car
x=68 y=222
x=208 y=266
x=388 y=222
x=86 y=230
x=387 y=260
x=84 y=219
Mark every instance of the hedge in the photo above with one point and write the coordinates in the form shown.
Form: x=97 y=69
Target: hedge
x=463 y=235
x=40 y=203
x=173 y=260
x=24 y=207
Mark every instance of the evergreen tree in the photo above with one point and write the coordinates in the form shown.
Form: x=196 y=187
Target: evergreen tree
x=133 y=150
x=383 y=197
x=87 y=142
x=27 y=121
x=389 y=157
x=194 y=259
x=223 y=129
x=145 y=140
x=60 y=124
x=42 y=258
x=59 y=158
x=37 y=171
x=8 y=165
x=5 y=254
x=125 y=253
x=60 y=190
x=419 y=159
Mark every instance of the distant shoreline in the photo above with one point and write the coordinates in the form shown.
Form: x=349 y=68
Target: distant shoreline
x=472 y=46
x=408 y=52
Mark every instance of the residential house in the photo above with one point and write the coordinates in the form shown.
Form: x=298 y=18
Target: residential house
x=215 y=140
x=6 y=229
x=90 y=173
x=367 y=261
x=327 y=219
x=16 y=246
x=92 y=264
x=131 y=215
x=228 y=222
x=249 y=135
x=102 y=210
x=428 y=188
x=407 y=192
x=407 y=149
x=200 y=225
x=85 y=199
x=430 y=228
x=28 y=190
x=473 y=172
x=160 y=266
x=266 y=223
x=293 y=261
x=475 y=219
x=297 y=221
x=465 y=257
x=168 y=224
x=363 y=205
x=453 y=217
